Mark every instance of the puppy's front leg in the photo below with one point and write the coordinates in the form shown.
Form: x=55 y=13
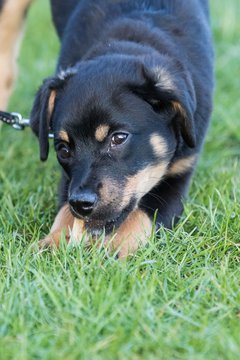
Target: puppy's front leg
x=133 y=232
x=63 y=225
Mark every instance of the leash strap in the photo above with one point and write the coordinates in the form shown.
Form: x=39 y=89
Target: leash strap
x=17 y=121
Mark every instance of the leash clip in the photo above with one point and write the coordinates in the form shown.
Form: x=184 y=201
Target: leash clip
x=19 y=122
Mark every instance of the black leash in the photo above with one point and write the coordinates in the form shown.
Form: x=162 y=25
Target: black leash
x=17 y=121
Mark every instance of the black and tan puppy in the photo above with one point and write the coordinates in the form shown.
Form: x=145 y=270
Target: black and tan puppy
x=129 y=107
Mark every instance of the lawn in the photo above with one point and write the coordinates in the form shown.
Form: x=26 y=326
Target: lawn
x=177 y=299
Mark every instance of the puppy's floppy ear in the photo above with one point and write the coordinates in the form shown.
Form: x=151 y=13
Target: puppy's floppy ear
x=164 y=86
x=40 y=118
x=43 y=108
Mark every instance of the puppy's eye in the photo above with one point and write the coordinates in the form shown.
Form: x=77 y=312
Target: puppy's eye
x=118 y=139
x=63 y=152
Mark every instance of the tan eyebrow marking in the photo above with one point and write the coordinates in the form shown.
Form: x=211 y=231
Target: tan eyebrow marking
x=64 y=136
x=101 y=132
x=159 y=144
x=181 y=166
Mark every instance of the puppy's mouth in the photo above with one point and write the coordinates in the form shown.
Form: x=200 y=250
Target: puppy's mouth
x=96 y=225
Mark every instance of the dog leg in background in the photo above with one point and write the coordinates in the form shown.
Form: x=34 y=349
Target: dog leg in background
x=62 y=225
x=133 y=232
x=12 y=15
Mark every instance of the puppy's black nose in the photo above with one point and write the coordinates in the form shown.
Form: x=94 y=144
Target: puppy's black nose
x=83 y=201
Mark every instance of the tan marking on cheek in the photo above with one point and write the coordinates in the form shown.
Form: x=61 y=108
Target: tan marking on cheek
x=109 y=191
x=159 y=145
x=181 y=166
x=133 y=232
x=141 y=183
x=64 y=136
x=101 y=132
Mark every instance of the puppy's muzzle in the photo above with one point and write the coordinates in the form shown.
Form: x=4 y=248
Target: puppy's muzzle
x=83 y=202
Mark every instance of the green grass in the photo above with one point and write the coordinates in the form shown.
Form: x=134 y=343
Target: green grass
x=177 y=299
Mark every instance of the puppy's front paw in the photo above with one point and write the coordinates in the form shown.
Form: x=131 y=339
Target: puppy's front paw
x=77 y=232
x=52 y=240
x=61 y=227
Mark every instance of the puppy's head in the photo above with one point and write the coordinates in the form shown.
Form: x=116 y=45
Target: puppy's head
x=117 y=123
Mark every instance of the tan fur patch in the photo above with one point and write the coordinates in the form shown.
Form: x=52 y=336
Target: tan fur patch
x=51 y=103
x=78 y=231
x=159 y=145
x=142 y=182
x=101 y=132
x=64 y=219
x=179 y=109
x=108 y=191
x=11 y=28
x=181 y=166
x=134 y=231
x=64 y=136
x=64 y=224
